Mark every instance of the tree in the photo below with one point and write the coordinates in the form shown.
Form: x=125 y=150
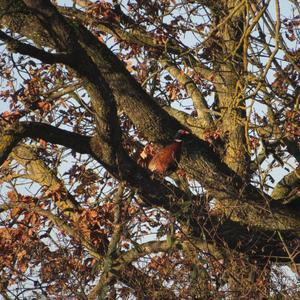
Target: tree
x=92 y=91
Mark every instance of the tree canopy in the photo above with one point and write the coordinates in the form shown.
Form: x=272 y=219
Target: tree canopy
x=90 y=90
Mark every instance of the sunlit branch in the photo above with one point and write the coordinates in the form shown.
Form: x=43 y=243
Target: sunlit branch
x=39 y=172
x=287 y=189
x=204 y=118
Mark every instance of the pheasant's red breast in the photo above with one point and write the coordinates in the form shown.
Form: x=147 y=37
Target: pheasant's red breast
x=166 y=159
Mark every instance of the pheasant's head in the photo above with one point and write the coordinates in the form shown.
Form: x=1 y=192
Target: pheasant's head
x=181 y=133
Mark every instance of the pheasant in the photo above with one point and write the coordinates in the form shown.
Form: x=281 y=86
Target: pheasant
x=166 y=159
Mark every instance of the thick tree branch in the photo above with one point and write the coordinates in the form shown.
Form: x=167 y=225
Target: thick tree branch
x=54 y=23
x=287 y=189
x=40 y=173
x=18 y=18
x=11 y=135
x=168 y=197
x=26 y=49
x=292 y=147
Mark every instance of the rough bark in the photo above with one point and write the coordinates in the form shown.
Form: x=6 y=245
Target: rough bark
x=251 y=222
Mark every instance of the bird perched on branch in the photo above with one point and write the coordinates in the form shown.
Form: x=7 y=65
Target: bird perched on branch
x=165 y=160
